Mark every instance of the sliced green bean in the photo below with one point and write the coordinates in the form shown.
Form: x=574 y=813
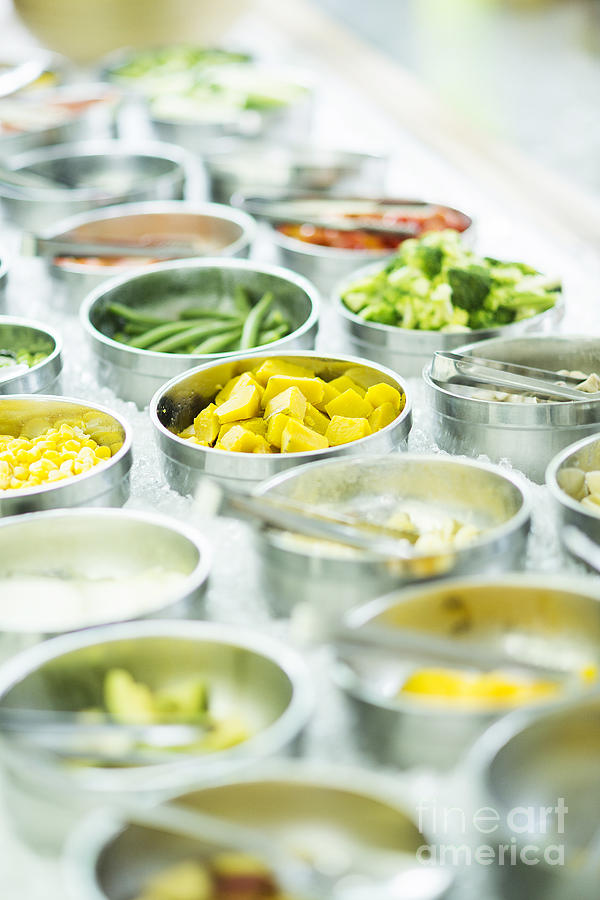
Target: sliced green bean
x=273 y=334
x=199 y=312
x=136 y=315
x=254 y=321
x=178 y=341
x=241 y=300
x=147 y=340
x=218 y=342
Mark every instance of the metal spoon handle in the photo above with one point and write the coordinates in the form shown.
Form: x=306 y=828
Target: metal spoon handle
x=34 y=245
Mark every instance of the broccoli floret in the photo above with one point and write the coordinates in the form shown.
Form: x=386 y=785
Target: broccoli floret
x=487 y=318
x=469 y=286
x=379 y=312
x=430 y=260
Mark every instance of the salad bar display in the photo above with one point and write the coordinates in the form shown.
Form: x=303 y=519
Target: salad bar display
x=322 y=429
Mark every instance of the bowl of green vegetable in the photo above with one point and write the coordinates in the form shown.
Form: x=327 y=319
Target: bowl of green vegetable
x=30 y=357
x=437 y=294
x=147 y=327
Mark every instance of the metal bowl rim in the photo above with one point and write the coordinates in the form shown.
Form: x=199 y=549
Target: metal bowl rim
x=553 y=468
x=260 y=147
x=123 y=451
x=204 y=262
x=20 y=322
x=308 y=455
x=194 y=580
x=516 y=522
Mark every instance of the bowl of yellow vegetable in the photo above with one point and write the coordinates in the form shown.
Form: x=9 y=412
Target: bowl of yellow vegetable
x=249 y=418
x=410 y=710
x=58 y=452
x=236 y=695
x=149 y=326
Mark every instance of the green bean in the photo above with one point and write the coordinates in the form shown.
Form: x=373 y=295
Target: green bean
x=147 y=340
x=218 y=342
x=273 y=334
x=254 y=321
x=199 y=312
x=241 y=300
x=135 y=315
x=177 y=342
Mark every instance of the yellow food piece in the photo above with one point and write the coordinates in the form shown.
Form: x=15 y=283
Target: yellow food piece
x=349 y=404
x=239 y=439
x=206 y=424
x=246 y=379
x=382 y=416
x=256 y=424
x=329 y=394
x=297 y=438
x=275 y=427
x=272 y=367
x=49 y=455
x=344 y=383
x=244 y=403
x=342 y=430
x=477 y=688
x=315 y=419
x=187 y=880
x=381 y=393
x=312 y=388
x=292 y=402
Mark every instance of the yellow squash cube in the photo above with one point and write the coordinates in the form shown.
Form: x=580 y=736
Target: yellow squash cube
x=236 y=384
x=275 y=426
x=206 y=425
x=329 y=394
x=292 y=402
x=384 y=393
x=315 y=419
x=297 y=438
x=272 y=367
x=256 y=424
x=312 y=388
x=344 y=383
x=244 y=403
x=349 y=404
x=343 y=429
x=382 y=416
x=262 y=446
x=239 y=439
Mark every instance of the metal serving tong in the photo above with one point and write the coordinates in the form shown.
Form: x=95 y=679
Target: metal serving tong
x=22 y=74
x=460 y=368
x=65 y=245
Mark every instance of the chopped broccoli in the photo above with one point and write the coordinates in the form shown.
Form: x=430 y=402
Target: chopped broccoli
x=469 y=286
x=431 y=260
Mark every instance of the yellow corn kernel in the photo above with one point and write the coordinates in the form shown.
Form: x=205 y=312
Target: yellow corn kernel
x=315 y=419
x=344 y=383
x=16 y=483
x=57 y=475
x=349 y=404
x=71 y=445
x=4 y=467
x=382 y=416
x=312 y=388
x=67 y=466
x=21 y=472
x=102 y=452
x=384 y=393
x=90 y=444
x=292 y=402
x=17 y=443
x=275 y=426
x=272 y=367
x=4 y=482
x=206 y=424
x=297 y=438
x=54 y=456
x=244 y=403
x=342 y=430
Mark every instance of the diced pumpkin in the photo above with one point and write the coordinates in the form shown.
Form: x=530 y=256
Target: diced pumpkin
x=349 y=404
x=342 y=430
x=244 y=403
x=271 y=367
x=315 y=419
x=382 y=416
x=343 y=383
x=206 y=424
x=312 y=388
x=384 y=393
x=297 y=438
x=292 y=402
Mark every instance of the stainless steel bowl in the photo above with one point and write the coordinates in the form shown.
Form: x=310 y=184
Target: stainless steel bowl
x=262 y=680
x=96 y=121
x=136 y=374
x=336 y=816
x=231 y=232
x=536 y=766
x=412 y=349
x=104 y=485
x=175 y=405
x=131 y=172
x=18 y=333
x=254 y=168
x=528 y=435
x=584 y=455
x=3 y=278
x=98 y=544
x=549 y=618
x=333 y=579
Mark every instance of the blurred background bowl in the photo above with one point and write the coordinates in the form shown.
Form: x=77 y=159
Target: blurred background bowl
x=25 y=334
x=331 y=578
x=136 y=374
x=553 y=620
x=584 y=455
x=261 y=681
x=227 y=231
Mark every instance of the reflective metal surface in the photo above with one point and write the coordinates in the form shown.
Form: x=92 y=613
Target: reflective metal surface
x=528 y=435
x=175 y=405
x=583 y=455
x=107 y=484
x=137 y=374
x=331 y=579
x=16 y=334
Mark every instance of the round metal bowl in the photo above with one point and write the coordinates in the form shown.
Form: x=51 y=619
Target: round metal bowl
x=99 y=544
x=136 y=374
x=332 y=578
x=104 y=485
x=257 y=678
x=336 y=816
x=131 y=172
x=231 y=233
x=551 y=619
x=327 y=266
x=528 y=435
x=258 y=168
x=412 y=349
x=97 y=120
x=17 y=333
x=540 y=774
x=176 y=404
x=584 y=455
